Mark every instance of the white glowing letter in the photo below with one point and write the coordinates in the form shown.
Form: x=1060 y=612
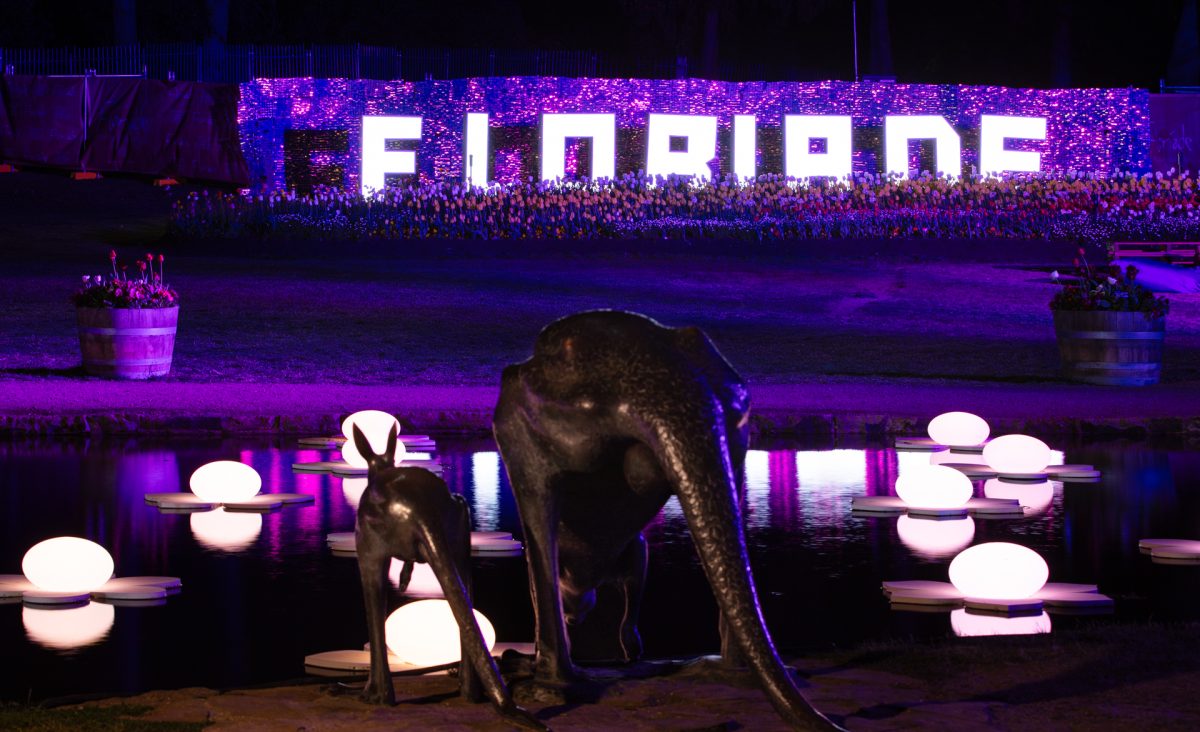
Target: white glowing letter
x=994 y=130
x=899 y=129
x=799 y=130
x=700 y=134
x=377 y=160
x=744 y=147
x=557 y=128
x=475 y=150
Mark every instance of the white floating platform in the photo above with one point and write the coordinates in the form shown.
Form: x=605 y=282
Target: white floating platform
x=1177 y=551
x=918 y=444
x=1023 y=477
x=359 y=662
x=180 y=501
x=977 y=506
x=493 y=544
x=262 y=503
x=1054 y=596
x=42 y=597
x=1072 y=472
x=970 y=449
x=974 y=471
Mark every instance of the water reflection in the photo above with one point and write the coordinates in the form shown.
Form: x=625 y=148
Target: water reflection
x=816 y=565
x=935 y=538
x=68 y=629
x=1036 y=498
x=966 y=625
x=226 y=531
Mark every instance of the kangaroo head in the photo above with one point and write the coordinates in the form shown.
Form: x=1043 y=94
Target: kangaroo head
x=376 y=462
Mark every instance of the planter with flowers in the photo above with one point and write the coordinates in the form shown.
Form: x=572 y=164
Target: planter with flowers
x=1110 y=329
x=127 y=323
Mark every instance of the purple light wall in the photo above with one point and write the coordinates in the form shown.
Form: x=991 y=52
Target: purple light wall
x=297 y=132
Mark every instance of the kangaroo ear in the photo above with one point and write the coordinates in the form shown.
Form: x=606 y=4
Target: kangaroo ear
x=364 y=445
x=390 y=453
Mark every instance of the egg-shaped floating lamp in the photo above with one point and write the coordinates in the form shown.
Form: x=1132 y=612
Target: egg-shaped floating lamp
x=998 y=571
x=934 y=489
x=958 y=429
x=67 y=564
x=375 y=426
x=225 y=481
x=1017 y=455
x=425 y=633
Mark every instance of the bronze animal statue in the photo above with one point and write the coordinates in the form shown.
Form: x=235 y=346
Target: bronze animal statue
x=612 y=415
x=410 y=514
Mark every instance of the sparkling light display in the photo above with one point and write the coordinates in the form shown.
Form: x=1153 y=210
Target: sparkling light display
x=959 y=429
x=225 y=481
x=998 y=571
x=67 y=564
x=1017 y=455
x=1094 y=130
x=424 y=633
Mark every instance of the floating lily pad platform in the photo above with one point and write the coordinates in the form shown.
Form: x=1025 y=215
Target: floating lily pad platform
x=1054 y=596
x=354 y=663
x=892 y=506
x=483 y=544
x=116 y=591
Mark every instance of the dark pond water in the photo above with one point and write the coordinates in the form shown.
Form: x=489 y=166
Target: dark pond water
x=262 y=594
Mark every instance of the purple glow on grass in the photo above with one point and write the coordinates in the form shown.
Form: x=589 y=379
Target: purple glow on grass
x=1093 y=130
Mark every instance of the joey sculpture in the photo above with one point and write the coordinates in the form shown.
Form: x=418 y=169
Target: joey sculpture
x=410 y=514
x=612 y=415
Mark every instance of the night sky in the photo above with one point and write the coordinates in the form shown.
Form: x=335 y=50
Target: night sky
x=1038 y=43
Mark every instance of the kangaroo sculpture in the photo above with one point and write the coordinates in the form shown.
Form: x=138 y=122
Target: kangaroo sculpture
x=612 y=415
x=410 y=514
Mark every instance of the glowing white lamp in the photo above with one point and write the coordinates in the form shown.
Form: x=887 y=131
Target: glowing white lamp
x=225 y=531
x=67 y=564
x=935 y=539
x=968 y=625
x=424 y=633
x=998 y=571
x=225 y=481
x=934 y=486
x=1036 y=497
x=375 y=426
x=68 y=629
x=1017 y=454
x=959 y=429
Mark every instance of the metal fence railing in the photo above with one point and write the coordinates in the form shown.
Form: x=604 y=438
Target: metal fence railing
x=240 y=63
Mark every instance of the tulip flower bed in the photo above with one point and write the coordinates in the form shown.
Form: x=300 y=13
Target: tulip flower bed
x=1070 y=207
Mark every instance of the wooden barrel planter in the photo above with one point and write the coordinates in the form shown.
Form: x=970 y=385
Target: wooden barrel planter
x=1098 y=347
x=127 y=343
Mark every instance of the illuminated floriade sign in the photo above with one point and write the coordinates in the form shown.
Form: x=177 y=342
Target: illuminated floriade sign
x=362 y=133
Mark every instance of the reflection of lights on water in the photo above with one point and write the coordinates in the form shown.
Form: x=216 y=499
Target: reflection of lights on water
x=225 y=531
x=425 y=633
x=485 y=474
x=352 y=489
x=758 y=488
x=1016 y=454
x=424 y=582
x=958 y=428
x=934 y=486
x=841 y=470
x=999 y=571
x=1037 y=497
x=1057 y=457
x=67 y=564
x=967 y=625
x=225 y=481
x=65 y=629
x=935 y=539
x=906 y=460
x=375 y=426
